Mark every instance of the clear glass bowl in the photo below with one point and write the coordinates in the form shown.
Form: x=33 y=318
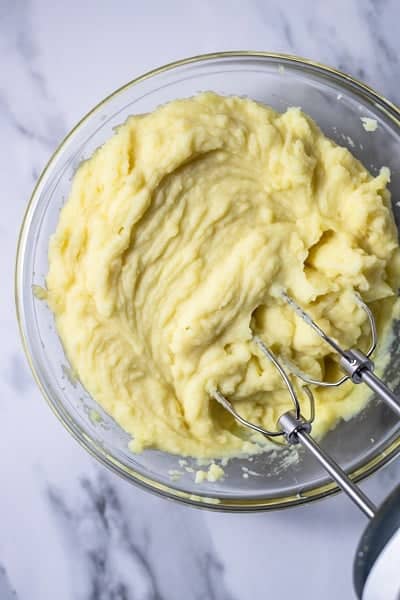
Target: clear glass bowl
x=337 y=102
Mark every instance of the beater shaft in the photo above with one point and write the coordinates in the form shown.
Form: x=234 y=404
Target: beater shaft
x=377 y=385
x=298 y=431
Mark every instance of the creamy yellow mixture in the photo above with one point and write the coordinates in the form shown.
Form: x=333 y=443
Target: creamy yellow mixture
x=177 y=239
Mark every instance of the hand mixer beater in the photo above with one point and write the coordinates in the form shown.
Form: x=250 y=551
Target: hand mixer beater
x=378 y=556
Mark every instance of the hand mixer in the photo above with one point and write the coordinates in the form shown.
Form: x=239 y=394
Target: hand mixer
x=377 y=561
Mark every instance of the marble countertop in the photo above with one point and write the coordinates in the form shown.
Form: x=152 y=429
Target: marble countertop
x=70 y=529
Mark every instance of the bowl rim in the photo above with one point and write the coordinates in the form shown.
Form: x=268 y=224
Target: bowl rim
x=213 y=501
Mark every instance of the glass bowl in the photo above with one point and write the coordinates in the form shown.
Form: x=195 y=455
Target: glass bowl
x=337 y=102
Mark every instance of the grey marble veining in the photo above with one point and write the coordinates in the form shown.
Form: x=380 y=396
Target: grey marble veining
x=69 y=529
x=133 y=546
x=6 y=591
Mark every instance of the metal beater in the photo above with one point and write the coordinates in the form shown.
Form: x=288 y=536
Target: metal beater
x=356 y=364
x=381 y=539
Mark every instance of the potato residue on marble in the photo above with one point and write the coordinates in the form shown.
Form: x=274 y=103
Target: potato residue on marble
x=177 y=238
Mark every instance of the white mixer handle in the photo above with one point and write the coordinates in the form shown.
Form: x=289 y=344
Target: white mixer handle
x=377 y=561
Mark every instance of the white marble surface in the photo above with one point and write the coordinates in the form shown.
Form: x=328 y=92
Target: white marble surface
x=69 y=529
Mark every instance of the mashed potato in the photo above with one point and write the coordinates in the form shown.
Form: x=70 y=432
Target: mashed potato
x=175 y=243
